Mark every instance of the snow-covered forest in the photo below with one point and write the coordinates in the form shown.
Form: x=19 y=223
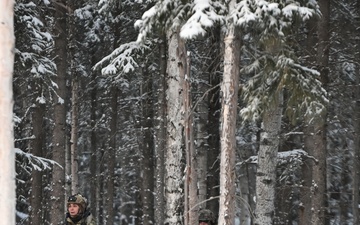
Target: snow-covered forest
x=155 y=109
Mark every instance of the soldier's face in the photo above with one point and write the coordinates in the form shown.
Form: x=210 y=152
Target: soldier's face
x=203 y=223
x=73 y=209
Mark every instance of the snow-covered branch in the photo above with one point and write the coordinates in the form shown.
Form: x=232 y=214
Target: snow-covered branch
x=36 y=162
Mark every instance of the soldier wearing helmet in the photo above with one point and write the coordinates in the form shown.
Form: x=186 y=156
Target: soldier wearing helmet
x=78 y=212
x=206 y=217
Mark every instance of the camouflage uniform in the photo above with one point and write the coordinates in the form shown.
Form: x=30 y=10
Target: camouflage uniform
x=206 y=215
x=84 y=217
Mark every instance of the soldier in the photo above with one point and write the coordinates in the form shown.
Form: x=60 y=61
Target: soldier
x=206 y=217
x=77 y=211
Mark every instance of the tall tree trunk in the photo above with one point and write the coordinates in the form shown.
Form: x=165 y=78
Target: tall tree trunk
x=93 y=146
x=316 y=133
x=246 y=173
x=59 y=132
x=147 y=146
x=190 y=174
x=306 y=169
x=7 y=156
x=229 y=103
x=356 y=166
x=74 y=99
x=111 y=156
x=160 y=134
x=36 y=196
x=267 y=161
x=74 y=136
x=202 y=146
x=111 y=153
x=174 y=152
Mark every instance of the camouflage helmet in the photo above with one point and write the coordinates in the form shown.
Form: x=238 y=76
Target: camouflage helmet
x=206 y=215
x=79 y=200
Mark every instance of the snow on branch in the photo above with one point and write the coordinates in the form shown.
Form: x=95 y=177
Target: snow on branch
x=121 y=60
x=204 y=15
x=36 y=162
x=285 y=157
x=306 y=95
x=271 y=16
x=164 y=14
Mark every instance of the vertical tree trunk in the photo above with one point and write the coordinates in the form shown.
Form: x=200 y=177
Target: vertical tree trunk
x=93 y=145
x=111 y=151
x=246 y=172
x=74 y=99
x=356 y=166
x=174 y=152
x=306 y=170
x=74 y=135
x=7 y=155
x=147 y=147
x=36 y=196
x=111 y=156
x=316 y=135
x=229 y=88
x=267 y=160
x=100 y=187
x=190 y=174
x=59 y=132
x=160 y=134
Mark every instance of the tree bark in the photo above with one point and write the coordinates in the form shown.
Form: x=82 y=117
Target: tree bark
x=93 y=146
x=174 y=152
x=229 y=88
x=36 y=196
x=74 y=136
x=316 y=129
x=267 y=161
x=59 y=131
x=356 y=166
x=111 y=156
x=147 y=147
x=160 y=134
x=74 y=99
x=190 y=174
x=306 y=170
x=7 y=153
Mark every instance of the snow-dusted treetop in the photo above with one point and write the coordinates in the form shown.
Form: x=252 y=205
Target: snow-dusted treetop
x=205 y=14
x=273 y=15
x=194 y=16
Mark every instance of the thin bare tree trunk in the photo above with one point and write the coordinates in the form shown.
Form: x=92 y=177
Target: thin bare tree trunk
x=356 y=166
x=59 y=132
x=174 y=152
x=147 y=147
x=160 y=134
x=190 y=175
x=7 y=153
x=316 y=135
x=229 y=88
x=74 y=100
x=74 y=136
x=93 y=146
x=306 y=169
x=111 y=156
x=36 y=213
